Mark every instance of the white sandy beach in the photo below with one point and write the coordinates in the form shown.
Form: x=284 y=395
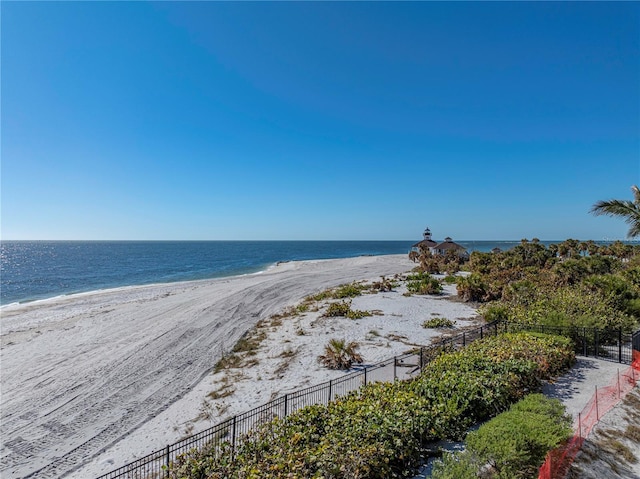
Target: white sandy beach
x=93 y=381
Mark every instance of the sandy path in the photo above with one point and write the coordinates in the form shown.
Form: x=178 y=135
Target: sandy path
x=576 y=388
x=80 y=373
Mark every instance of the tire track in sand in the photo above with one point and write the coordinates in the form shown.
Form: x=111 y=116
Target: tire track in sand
x=115 y=370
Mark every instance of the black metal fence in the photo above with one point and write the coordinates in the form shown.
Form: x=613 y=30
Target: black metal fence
x=607 y=344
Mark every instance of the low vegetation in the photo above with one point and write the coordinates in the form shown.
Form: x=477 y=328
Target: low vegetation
x=343 y=308
x=568 y=284
x=512 y=445
x=380 y=431
x=340 y=354
x=423 y=283
x=439 y=323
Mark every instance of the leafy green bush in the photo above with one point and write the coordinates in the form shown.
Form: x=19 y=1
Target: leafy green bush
x=495 y=312
x=423 y=283
x=436 y=323
x=558 y=286
x=347 y=291
x=379 y=431
x=472 y=288
x=572 y=306
x=343 y=308
x=552 y=354
x=514 y=444
x=471 y=388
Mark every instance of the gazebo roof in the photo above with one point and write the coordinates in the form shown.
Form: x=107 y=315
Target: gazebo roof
x=426 y=243
x=448 y=244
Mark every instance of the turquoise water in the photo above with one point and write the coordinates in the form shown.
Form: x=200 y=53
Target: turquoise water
x=32 y=270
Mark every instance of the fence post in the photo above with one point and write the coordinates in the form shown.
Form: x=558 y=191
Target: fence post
x=464 y=340
x=286 y=405
x=620 y=345
x=330 y=384
x=365 y=376
x=580 y=425
x=167 y=460
x=395 y=368
x=481 y=332
x=233 y=436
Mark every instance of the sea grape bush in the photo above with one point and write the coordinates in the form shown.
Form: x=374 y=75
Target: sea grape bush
x=512 y=445
x=380 y=430
x=552 y=354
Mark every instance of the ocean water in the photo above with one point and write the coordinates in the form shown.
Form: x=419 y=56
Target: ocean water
x=33 y=270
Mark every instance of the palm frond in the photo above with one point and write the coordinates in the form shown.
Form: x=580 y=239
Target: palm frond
x=615 y=208
x=629 y=211
x=636 y=195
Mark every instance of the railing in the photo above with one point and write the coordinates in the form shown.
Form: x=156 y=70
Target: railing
x=610 y=344
x=607 y=344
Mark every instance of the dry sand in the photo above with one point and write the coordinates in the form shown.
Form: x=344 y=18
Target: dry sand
x=612 y=450
x=93 y=381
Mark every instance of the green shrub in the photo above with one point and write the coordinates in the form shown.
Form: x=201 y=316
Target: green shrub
x=495 y=312
x=358 y=314
x=576 y=305
x=436 y=323
x=423 y=283
x=347 y=291
x=379 y=431
x=552 y=354
x=341 y=308
x=513 y=444
x=462 y=465
x=472 y=288
x=557 y=286
x=472 y=388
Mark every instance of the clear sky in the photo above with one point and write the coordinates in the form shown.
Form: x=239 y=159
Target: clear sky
x=329 y=120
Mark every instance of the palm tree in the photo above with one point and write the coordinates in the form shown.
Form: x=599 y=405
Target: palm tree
x=339 y=354
x=628 y=210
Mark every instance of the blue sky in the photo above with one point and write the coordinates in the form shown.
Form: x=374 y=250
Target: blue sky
x=360 y=120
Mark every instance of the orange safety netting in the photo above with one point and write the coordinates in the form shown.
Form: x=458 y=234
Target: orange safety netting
x=559 y=460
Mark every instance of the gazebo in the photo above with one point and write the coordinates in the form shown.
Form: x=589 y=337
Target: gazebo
x=449 y=245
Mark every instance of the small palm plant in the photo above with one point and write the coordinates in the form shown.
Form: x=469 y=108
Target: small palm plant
x=338 y=354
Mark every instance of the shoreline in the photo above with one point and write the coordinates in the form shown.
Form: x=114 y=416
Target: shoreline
x=261 y=270
x=286 y=361
x=72 y=295
x=80 y=376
